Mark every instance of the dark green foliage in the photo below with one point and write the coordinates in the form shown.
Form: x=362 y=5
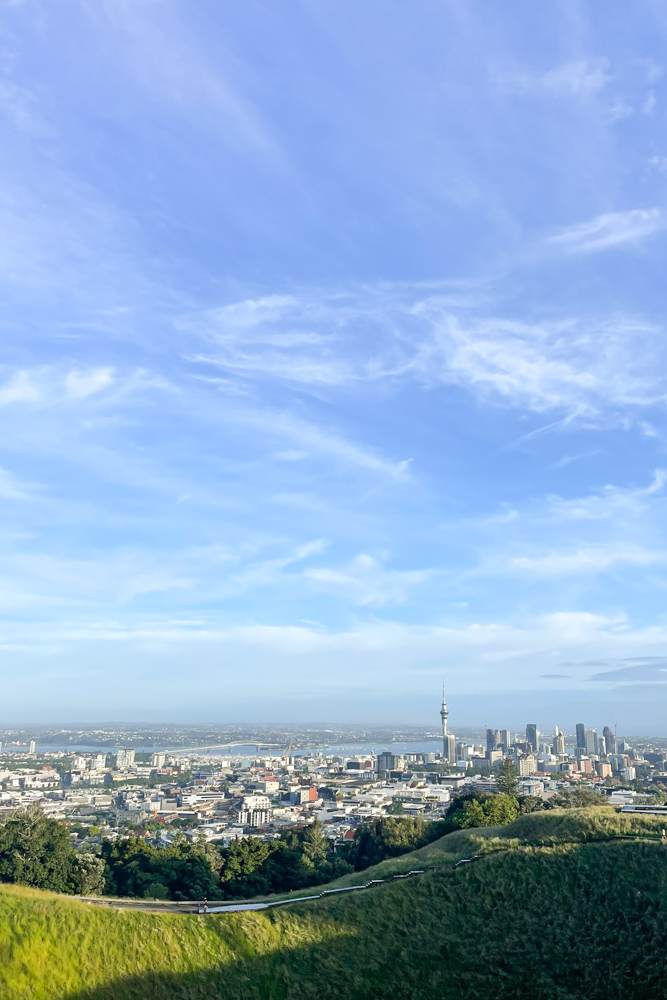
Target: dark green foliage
x=180 y=871
x=481 y=809
x=301 y=858
x=88 y=875
x=388 y=837
x=298 y=858
x=507 y=778
x=530 y=804
x=575 y=798
x=493 y=810
x=37 y=851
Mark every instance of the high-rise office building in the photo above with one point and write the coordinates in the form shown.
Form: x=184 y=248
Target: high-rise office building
x=505 y=739
x=581 y=736
x=32 y=747
x=386 y=761
x=558 y=742
x=609 y=740
x=492 y=739
x=532 y=736
x=591 y=741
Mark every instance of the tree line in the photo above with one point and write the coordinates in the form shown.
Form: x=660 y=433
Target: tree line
x=38 y=851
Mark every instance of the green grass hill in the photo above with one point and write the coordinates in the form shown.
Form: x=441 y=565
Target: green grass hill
x=561 y=905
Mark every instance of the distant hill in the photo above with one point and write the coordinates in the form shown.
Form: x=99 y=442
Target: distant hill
x=561 y=905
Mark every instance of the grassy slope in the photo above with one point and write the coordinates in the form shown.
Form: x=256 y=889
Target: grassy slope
x=563 y=920
x=541 y=829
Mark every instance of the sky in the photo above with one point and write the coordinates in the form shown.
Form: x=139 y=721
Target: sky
x=333 y=361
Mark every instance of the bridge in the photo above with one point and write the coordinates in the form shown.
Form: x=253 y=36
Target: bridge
x=228 y=746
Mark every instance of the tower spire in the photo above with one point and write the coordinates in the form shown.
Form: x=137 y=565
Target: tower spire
x=444 y=718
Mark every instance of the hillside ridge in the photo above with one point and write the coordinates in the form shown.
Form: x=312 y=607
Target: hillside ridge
x=554 y=872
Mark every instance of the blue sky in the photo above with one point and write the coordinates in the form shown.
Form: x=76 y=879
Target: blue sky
x=333 y=361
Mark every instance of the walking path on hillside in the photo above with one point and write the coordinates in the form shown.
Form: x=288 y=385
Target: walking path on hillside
x=204 y=907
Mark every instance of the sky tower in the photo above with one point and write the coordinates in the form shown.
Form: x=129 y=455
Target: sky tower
x=444 y=716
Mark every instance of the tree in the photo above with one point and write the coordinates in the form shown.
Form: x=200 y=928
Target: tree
x=389 y=837
x=314 y=847
x=88 y=874
x=507 y=779
x=494 y=810
x=37 y=851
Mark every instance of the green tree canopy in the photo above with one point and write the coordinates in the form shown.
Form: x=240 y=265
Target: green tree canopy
x=37 y=851
x=180 y=871
x=507 y=778
x=493 y=810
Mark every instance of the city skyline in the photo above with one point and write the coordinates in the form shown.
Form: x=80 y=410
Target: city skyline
x=333 y=351
x=581 y=732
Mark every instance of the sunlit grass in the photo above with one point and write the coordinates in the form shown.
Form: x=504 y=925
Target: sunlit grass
x=411 y=938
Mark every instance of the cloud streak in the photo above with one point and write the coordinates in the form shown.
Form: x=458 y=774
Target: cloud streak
x=585 y=561
x=608 y=231
x=588 y=368
x=580 y=79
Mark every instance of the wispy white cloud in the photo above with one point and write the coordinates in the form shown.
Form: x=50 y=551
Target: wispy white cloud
x=317 y=440
x=584 y=367
x=81 y=384
x=649 y=103
x=49 y=385
x=19 y=107
x=371 y=652
x=616 y=530
x=582 y=78
x=21 y=387
x=612 y=502
x=13 y=488
x=585 y=561
x=52 y=385
x=569 y=459
x=658 y=163
x=167 y=58
x=368 y=581
x=310 y=339
x=609 y=230
x=120 y=577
